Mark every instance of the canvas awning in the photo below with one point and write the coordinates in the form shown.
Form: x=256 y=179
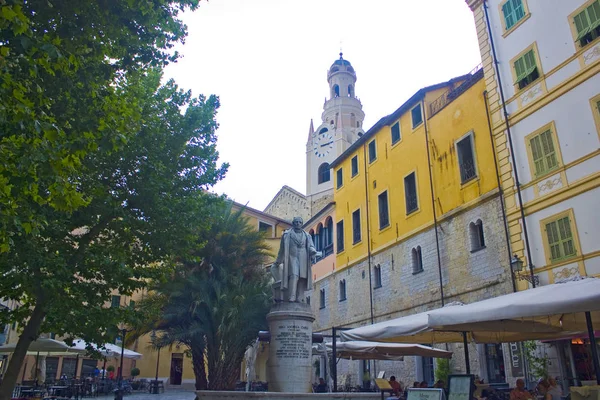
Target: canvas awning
x=554 y=310
x=45 y=347
x=361 y=350
x=109 y=350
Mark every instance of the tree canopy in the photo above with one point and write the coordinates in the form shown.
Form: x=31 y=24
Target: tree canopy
x=103 y=169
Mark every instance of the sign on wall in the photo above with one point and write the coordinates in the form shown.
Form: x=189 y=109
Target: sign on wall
x=516 y=359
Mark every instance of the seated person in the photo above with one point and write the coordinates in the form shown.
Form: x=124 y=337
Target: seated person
x=439 y=384
x=397 y=388
x=520 y=393
x=554 y=391
x=424 y=385
x=321 y=387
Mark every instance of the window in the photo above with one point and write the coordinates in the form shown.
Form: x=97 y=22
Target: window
x=526 y=70
x=513 y=11
x=587 y=24
x=396 y=132
x=354 y=166
x=339 y=228
x=324 y=173
x=336 y=91
x=543 y=153
x=322 y=298
x=266 y=228
x=466 y=159
x=319 y=237
x=356 y=237
x=377 y=273
x=115 y=301
x=384 y=213
x=417 y=260
x=417 y=116
x=350 y=91
x=132 y=304
x=323 y=130
x=308 y=300
x=428 y=370
x=339 y=178
x=559 y=235
x=410 y=193
x=372 y=151
x=342 y=290
x=476 y=235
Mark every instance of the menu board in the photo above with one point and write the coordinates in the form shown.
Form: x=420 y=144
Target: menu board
x=460 y=387
x=425 y=394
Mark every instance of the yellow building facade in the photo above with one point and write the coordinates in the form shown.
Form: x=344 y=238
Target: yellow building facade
x=418 y=220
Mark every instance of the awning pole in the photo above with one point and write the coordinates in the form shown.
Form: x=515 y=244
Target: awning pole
x=588 y=319
x=467 y=363
x=334 y=366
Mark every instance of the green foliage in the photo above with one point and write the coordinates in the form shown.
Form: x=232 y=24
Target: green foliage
x=110 y=368
x=103 y=170
x=442 y=370
x=216 y=301
x=538 y=364
x=135 y=372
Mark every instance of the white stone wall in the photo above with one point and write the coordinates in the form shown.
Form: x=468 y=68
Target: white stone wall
x=288 y=205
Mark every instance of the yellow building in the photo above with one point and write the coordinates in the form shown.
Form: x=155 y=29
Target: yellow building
x=418 y=220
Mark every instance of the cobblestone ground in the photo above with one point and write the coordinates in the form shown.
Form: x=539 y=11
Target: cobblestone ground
x=173 y=394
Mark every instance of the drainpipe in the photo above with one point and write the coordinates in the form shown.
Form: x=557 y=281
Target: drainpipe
x=368 y=231
x=510 y=144
x=501 y=191
x=435 y=224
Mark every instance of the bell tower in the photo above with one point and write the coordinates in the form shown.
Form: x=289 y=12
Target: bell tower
x=341 y=125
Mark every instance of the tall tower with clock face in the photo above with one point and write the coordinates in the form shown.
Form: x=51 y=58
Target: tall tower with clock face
x=341 y=125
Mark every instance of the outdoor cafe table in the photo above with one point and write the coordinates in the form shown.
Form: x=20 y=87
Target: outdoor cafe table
x=585 y=392
x=57 y=390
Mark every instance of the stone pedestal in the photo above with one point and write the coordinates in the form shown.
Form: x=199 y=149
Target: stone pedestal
x=289 y=367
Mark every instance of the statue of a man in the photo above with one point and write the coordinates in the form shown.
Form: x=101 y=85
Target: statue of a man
x=294 y=260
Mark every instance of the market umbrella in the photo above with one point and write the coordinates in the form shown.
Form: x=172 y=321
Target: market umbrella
x=361 y=350
x=565 y=307
x=108 y=350
x=45 y=347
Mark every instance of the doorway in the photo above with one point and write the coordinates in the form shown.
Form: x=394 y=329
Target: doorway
x=495 y=363
x=176 y=368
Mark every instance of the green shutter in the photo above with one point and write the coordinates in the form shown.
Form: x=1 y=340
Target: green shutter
x=543 y=153
x=560 y=239
x=525 y=65
x=587 y=20
x=513 y=11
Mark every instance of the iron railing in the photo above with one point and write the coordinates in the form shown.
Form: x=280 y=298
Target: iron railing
x=438 y=104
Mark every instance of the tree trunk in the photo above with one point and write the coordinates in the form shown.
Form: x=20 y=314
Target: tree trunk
x=30 y=333
x=198 y=365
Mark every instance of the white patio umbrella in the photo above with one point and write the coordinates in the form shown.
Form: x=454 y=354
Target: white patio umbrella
x=361 y=350
x=47 y=347
x=569 y=306
x=108 y=350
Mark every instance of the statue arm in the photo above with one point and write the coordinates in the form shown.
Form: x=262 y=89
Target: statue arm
x=281 y=253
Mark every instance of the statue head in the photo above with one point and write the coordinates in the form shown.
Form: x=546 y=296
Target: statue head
x=297 y=222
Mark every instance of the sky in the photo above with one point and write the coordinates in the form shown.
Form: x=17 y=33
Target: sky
x=267 y=60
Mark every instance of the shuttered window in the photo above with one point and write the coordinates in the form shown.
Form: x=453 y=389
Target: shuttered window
x=560 y=239
x=513 y=12
x=543 y=153
x=587 y=23
x=396 y=133
x=526 y=69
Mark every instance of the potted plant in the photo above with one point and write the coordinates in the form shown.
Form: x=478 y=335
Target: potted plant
x=135 y=372
x=135 y=385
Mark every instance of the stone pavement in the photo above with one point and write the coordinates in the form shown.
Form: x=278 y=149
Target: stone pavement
x=169 y=394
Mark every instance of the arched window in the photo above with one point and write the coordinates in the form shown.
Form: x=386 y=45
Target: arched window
x=342 y=290
x=476 y=235
x=377 y=271
x=319 y=238
x=417 y=260
x=336 y=91
x=350 y=91
x=323 y=130
x=312 y=235
x=324 y=173
x=329 y=232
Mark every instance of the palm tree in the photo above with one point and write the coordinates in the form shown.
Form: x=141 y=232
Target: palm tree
x=216 y=301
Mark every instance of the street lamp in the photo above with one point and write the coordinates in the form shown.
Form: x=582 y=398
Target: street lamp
x=119 y=391
x=516 y=265
x=155 y=386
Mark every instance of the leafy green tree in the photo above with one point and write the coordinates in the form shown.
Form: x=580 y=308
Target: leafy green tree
x=217 y=300
x=144 y=202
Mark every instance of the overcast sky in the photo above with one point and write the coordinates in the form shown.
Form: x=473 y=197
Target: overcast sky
x=267 y=60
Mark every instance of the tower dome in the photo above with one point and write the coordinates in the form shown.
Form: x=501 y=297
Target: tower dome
x=340 y=65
